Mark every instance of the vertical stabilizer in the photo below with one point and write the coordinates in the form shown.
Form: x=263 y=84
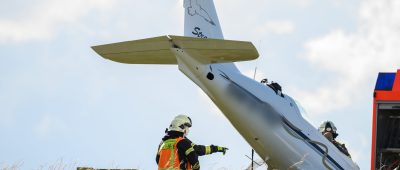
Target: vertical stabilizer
x=201 y=19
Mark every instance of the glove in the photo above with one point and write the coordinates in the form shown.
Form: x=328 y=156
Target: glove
x=219 y=149
x=222 y=149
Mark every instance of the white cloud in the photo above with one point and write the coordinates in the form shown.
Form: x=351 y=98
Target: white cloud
x=355 y=58
x=280 y=27
x=44 y=19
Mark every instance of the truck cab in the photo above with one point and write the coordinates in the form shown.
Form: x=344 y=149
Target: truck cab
x=385 y=152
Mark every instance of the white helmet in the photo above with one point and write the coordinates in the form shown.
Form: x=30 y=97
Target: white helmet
x=179 y=123
x=328 y=126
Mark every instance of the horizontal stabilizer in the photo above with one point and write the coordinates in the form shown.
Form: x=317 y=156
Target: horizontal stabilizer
x=158 y=50
x=146 y=51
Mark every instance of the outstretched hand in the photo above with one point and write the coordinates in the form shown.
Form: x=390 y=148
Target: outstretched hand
x=222 y=149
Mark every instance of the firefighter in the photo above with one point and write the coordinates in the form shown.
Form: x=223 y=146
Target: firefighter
x=328 y=129
x=177 y=152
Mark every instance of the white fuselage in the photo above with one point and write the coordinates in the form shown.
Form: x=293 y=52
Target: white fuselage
x=268 y=120
x=270 y=123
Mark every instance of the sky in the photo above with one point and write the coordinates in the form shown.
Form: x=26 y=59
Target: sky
x=62 y=105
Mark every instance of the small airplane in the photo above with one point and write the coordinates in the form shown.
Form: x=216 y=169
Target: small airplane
x=269 y=120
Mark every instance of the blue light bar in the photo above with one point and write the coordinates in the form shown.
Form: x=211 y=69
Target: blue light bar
x=385 y=81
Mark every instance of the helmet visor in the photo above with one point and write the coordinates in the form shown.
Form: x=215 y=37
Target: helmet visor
x=188 y=124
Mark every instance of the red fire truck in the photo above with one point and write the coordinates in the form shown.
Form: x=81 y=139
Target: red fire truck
x=385 y=152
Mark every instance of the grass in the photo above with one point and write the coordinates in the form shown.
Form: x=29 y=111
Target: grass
x=58 y=165
x=15 y=166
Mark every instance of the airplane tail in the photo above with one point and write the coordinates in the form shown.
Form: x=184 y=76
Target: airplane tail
x=203 y=41
x=201 y=19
